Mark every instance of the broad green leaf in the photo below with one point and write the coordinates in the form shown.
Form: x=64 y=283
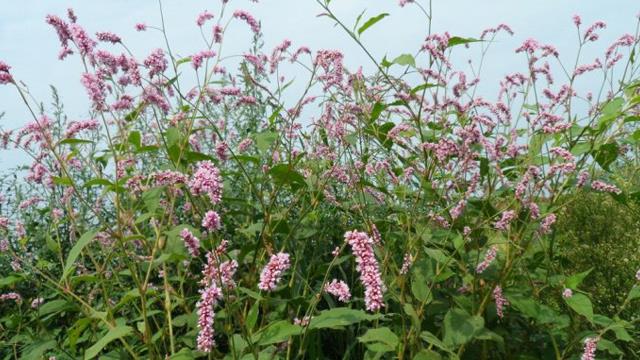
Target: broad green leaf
x=610 y=347
x=634 y=293
x=419 y=287
x=9 y=280
x=76 y=250
x=433 y=340
x=284 y=174
x=378 y=107
x=36 y=350
x=405 y=59
x=382 y=335
x=113 y=334
x=264 y=140
x=606 y=154
x=574 y=280
x=277 y=332
x=371 y=22
x=53 y=306
x=460 y=327
x=581 y=304
x=338 y=317
x=427 y=355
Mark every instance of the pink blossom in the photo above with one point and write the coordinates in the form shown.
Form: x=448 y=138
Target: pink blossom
x=506 y=219
x=367 y=265
x=339 y=289
x=206 y=315
x=5 y=76
x=191 y=242
x=272 y=273
x=407 y=261
x=245 y=16
x=156 y=62
x=403 y=3
x=75 y=127
x=206 y=180
x=106 y=36
x=211 y=221
x=545 y=226
x=82 y=40
x=489 y=257
x=601 y=186
x=302 y=322
x=141 y=27
x=577 y=20
x=96 y=89
x=35 y=303
x=197 y=59
x=500 y=301
x=567 y=293
x=590 y=34
x=11 y=296
x=203 y=17
x=590 y=347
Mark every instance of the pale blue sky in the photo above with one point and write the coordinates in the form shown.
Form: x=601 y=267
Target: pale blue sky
x=30 y=46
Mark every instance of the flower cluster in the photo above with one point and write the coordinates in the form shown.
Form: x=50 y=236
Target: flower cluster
x=362 y=247
x=339 y=289
x=273 y=271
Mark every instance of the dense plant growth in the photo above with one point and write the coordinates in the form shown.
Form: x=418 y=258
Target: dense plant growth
x=209 y=206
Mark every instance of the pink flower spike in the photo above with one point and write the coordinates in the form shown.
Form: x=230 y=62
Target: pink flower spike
x=206 y=180
x=367 y=265
x=211 y=221
x=272 y=273
x=340 y=289
x=208 y=300
x=191 y=242
x=203 y=17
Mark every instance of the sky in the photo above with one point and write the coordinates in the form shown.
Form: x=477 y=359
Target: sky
x=31 y=46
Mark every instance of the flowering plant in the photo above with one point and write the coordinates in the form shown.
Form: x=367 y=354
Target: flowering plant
x=202 y=211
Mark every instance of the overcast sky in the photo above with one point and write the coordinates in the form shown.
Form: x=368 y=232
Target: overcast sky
x=31 y=46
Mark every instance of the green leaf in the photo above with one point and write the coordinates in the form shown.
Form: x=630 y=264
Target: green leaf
x=610 y=347
x=53 y=307
x=581 y=304
x=75 y=252
x=252 y=317
x=634 y=293
x=74 y=141
x=284 y=174
x=456 y=40
x=265 y=140
x=606 y=154
x=277 y=332
x=423 y=87
x=371 y=22
x=419 y=287
x=433 y=340
x=460 y=327
x=36 y=350
x=405 y=60
x=425 y=354
x=338 y=317
x=113 y=334
x=9 y=280
x=135 y=139
x=574 y=280
x=378 y=107
x=381 y=335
